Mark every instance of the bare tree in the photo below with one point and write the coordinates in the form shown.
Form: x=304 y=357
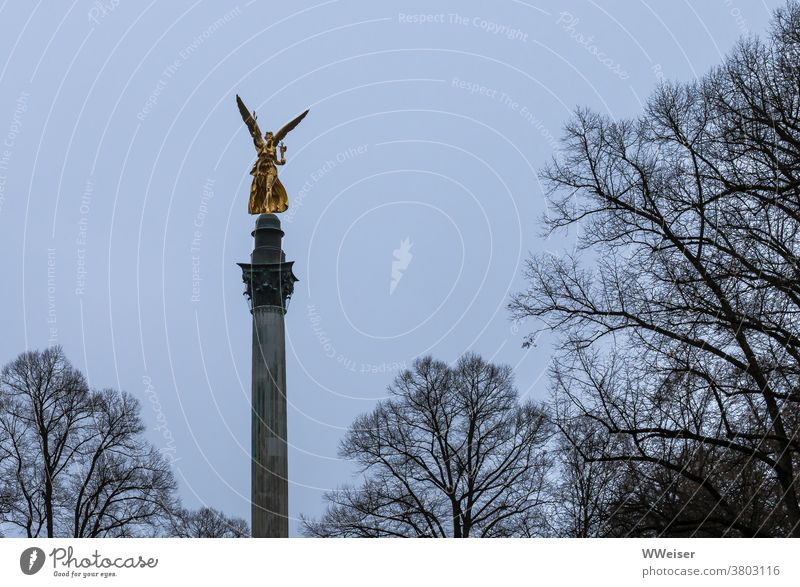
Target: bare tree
x=6 y=484
x=679 y=310
x=452 y=452
x=120 y=485
x=75 y=461
x=44 y=399
x=587 y=491
x=208 y=522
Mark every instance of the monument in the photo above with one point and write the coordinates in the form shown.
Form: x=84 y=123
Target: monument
x=269 y=283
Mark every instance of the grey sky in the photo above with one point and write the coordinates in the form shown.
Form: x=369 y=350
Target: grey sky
x=124 y=184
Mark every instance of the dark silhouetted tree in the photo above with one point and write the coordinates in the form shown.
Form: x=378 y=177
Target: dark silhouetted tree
x=452 y=452
x=680 y=309
x=208 y=522
x=75 y=460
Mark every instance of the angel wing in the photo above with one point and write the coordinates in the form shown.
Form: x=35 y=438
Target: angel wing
x=281 y=134
x=250 y=121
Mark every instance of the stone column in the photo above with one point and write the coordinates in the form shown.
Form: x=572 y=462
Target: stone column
x=269 y=283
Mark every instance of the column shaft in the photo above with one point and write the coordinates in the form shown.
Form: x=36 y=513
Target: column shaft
x=270 y=488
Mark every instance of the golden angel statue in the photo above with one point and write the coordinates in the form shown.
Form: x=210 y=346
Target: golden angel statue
x=267 y=193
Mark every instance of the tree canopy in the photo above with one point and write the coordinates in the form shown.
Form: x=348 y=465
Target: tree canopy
x=679 y=309
x=451 y=452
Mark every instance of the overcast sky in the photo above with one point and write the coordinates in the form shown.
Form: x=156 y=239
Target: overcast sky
x=412 y=189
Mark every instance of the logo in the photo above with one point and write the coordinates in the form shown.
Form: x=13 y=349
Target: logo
x=402 y=259
x=31 y=560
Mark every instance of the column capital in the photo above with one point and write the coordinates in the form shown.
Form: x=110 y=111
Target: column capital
x=268 y=284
